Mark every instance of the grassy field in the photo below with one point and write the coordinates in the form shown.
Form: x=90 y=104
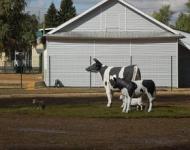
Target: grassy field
x=96 y=110
x=82 y=121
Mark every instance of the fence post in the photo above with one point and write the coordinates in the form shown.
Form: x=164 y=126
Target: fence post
x=171 y=73
x=49 y=71
x=5 y=66
x=90 y=72
x=21 y=70
x=131 y=60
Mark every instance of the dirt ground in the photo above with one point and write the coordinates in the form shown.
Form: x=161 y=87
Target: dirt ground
x=25 y=132
x=67 y=133
x=14 y=80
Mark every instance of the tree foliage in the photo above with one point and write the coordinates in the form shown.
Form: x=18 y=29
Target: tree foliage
x=163 y=15
x=51 y=18
x=67 y=11
x=28 y=31
x=183 y=21
x=188 y=5
x=17 y=29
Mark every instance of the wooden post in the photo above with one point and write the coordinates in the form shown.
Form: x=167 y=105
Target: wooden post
x=21 y=70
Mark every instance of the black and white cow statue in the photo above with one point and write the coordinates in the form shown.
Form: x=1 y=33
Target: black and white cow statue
x=127 y=73
x=135 y=89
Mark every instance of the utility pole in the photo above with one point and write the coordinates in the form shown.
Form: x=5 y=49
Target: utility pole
x=44 y=25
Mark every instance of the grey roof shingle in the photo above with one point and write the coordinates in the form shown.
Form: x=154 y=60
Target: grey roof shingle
x=113 y=35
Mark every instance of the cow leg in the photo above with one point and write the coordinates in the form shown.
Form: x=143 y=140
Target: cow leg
x=137 y=107
x=109 y=94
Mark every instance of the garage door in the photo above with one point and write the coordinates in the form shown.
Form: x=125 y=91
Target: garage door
x=67 y=61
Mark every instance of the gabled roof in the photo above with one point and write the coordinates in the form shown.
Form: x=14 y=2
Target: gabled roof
x=186 y=40
x=124 y=2
x=112 y=35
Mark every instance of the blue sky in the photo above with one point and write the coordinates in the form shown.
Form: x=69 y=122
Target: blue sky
x=39 y=7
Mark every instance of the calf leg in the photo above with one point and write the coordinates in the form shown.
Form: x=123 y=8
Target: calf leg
x=150 y=101
x=124 y=103
x=128 y=104
x=122 y=98
x=140 y=103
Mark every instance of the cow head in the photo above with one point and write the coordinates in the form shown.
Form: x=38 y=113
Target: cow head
x=95 y=67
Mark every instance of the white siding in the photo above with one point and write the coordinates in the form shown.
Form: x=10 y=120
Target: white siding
x=69 y=60
x=35 y=58
x=112 y=16
x=154 y=60
x=136 y=22
x=111 y=54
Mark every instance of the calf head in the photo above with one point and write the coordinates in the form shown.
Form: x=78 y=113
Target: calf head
x=95 y=67
x=118 y=83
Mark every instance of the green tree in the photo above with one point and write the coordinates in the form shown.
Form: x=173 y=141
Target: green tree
x=15 y=26
x=183 y=21
x=163 y=15
x=188 y=5
x=51 y=18
x=67 y=11
x=28 y=31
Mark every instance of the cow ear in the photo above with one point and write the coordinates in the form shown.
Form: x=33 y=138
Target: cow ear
x=97 y=61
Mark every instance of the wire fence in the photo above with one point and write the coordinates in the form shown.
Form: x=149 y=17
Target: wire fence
x=70 y=70
x=15 y=76
x=11 y=67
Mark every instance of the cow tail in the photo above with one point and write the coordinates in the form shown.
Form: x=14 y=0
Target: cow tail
x=154 y=93
x=138 y=75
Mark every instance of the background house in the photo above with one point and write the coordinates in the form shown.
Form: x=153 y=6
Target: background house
x=37 y=50
x=118 y=34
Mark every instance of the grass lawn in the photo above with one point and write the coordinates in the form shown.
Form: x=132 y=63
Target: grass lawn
x=96 y=110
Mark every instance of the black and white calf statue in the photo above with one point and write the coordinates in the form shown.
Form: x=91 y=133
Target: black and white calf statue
x=135 y=89
x=127 y=73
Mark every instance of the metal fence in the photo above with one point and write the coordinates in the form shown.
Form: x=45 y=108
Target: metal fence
x=12 y=76
x=70 y=70
x=10 y=67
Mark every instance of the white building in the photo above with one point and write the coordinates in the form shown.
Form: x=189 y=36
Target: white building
x=117 y=34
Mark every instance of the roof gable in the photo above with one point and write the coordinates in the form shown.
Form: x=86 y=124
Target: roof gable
x=134 y=12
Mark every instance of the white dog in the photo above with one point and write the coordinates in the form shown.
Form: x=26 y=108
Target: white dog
x=134 y=102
